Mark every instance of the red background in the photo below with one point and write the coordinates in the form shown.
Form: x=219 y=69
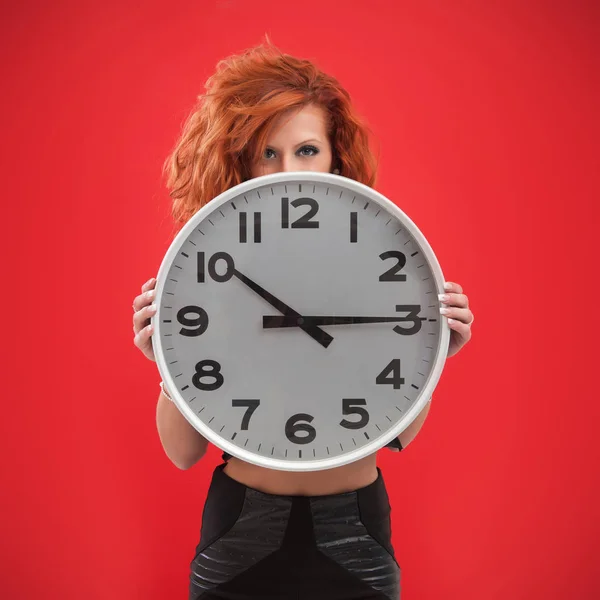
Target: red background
x=487 y=118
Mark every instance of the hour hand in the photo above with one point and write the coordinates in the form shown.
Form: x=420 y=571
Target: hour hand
x=317 y=334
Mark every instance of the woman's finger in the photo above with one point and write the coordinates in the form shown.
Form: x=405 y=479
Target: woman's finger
x=460 y=300
x=462 y=329
x=142 y=336
x=464 y=315
x=143 y=300
x=143 y=342
x=451 y=286
x=142 y=317
x=149 y=284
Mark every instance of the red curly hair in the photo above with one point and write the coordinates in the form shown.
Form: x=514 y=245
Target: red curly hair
x=228 y=128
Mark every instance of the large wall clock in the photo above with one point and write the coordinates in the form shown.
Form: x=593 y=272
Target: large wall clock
x=298 y=323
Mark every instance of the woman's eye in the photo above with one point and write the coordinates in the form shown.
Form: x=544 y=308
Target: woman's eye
x=268 y=153
x=308 y=151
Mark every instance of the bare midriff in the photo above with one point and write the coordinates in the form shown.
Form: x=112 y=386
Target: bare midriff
x=346 y=478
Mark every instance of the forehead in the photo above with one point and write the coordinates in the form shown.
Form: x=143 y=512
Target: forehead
x=309 y=121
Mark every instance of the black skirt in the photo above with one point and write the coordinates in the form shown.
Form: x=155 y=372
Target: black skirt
x=255 y=545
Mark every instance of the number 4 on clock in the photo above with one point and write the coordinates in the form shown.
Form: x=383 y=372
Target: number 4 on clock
x=391 y=374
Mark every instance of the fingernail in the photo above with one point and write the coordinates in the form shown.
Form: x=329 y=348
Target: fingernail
x=443 y=297
x=447 y=286
x=444 y=311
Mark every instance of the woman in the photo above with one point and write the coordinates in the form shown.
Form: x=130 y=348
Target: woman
x=267 y=533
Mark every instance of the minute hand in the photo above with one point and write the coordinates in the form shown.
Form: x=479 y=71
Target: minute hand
x=290 y=321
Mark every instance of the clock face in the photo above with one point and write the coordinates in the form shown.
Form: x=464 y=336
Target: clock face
x=298 y=323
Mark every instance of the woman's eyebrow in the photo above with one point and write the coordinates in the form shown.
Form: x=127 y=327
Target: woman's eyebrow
x=313 y=140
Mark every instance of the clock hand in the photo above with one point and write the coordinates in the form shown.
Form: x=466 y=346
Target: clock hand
x=317 y=334
x=270 y=322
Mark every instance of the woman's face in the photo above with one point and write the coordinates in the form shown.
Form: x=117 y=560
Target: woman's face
x=298 y=142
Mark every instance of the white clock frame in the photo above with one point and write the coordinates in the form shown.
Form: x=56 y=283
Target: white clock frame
x=227 y=445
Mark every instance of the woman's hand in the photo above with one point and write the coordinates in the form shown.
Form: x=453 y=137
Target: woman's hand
x=143 y=309
x=455 y=305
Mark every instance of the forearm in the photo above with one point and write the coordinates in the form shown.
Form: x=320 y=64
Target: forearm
x=181 y=442
x=410 y=433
